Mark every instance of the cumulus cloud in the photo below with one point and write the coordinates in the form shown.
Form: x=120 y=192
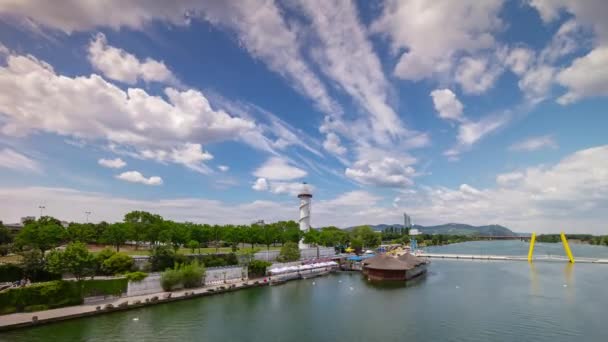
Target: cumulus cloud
x=535 y=144
x=137 y=177
x=456 y=28
x=277 y=168
x=333 y=144
x=119 y=65
x=476 y=75
x=447 y=104
x=586 y=77
x=223 y=168
x=90 y=108
x=383 y=172
x=115 y=163
x=11 y=159
x=261 y=184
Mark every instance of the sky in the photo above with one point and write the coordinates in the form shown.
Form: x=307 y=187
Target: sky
x=477 y=112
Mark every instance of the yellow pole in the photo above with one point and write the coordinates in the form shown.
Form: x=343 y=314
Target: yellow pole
x=567 y=247
x=531 y=251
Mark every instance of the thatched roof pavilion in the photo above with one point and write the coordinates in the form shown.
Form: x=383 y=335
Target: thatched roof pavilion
x=385 y=267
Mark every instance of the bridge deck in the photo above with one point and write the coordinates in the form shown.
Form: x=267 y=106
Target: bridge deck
x=510 y=258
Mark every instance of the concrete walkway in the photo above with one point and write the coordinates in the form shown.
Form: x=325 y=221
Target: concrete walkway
x=25 y=319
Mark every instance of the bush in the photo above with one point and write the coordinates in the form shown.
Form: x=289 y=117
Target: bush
x=103 y=287
x=289 y=252
x=170 y=279
x=52 y=294
x=164 y=257
x=101 y=257
x=192 y=275
x=38 y=307
x=258 y=267
x=10 y=273
x=136 y=276
x=217 y=260
x=117 y=264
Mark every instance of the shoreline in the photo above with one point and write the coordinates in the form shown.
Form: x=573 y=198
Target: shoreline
x=24 y=320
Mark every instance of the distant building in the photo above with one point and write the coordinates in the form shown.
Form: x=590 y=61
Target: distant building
x=414 y=231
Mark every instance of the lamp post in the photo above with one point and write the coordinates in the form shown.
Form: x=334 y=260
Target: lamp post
x=87 y=213
x=41 y=207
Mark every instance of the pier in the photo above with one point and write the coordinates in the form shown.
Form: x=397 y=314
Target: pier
x=549 y=258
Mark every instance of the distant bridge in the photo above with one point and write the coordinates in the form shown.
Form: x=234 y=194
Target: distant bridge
x=503 y=237
x=509 y=257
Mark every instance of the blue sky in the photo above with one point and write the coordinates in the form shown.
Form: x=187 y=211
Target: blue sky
x=481 y=112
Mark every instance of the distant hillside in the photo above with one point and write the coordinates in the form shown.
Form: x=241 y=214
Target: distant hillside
x=453 y=229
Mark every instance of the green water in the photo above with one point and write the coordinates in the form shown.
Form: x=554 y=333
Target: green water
x=456 y=301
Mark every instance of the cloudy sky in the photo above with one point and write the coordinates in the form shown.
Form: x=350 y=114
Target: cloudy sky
x=480 y=112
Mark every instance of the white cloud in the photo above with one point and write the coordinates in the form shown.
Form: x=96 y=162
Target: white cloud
x=505 y=179
x=223 y=168
x=263 y=32
x=11 y=159
x=536 y=83
x=455 y=27
x=261 y=184
x=90 y=108
x=115 y=163
x=383 y=172
x=587 y=76
x=476 y=75
x=119 y=65
x=534 y=144
x=447 y=104
x=137 y=177
x=470 y=132
x=570 y=196
x=519 y=59
x=333 y=144
x=276 y=168
x=346 y=56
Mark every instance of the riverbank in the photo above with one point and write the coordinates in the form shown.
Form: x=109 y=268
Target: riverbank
x=31 y=319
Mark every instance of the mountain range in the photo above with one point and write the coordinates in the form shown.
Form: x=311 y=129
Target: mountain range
x=453 y=229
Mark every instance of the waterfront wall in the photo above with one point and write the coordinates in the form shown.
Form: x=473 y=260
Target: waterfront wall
x=213 y=276
x=306 y=253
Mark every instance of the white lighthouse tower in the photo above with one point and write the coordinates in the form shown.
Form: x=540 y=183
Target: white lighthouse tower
x=305 y=197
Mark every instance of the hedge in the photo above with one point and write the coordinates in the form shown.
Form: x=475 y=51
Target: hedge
x=56 y=294
x=13 y=272
x=215 y=260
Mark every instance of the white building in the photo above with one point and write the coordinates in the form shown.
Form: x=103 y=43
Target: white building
x=305 y=197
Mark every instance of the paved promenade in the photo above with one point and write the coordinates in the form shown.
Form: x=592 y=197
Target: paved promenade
x=18 y=320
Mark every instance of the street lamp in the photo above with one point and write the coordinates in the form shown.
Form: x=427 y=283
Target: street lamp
x=41 y=207
x=87 y=213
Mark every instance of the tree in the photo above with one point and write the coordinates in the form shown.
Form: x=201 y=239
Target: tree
x=117 y=264
x=199 y=234
x=78 y=232
x=140 y=223
x=5 y=236
x=43 y=234
x=291 y=232
x=116 y=234
x=216 y=236
x=369 y=238
x=192 y=244
x=32 y=262
x=252 y=234
x=289 y=252
x=268 y=235
x=76 y=260
x=332 y=236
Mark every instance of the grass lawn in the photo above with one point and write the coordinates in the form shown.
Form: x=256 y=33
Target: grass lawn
x=10 y=259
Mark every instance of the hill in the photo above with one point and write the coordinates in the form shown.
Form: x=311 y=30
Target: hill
x=453 y=229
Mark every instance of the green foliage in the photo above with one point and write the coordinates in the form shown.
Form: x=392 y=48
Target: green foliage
x=289 y=252
x=103 y=287
x=10 y=273
x=217 y=260
x=170 y=279
x=76 y=260
x=136 y=276
x=192 y=244
x=5 y=235
x=332 y=236
x=369 y=238
x=192 y=275
x=33 y=267
x=116 y=234
x=163 y=257
x=258 y=268
x=43 y=234
x=117 y=264
x=55 y=294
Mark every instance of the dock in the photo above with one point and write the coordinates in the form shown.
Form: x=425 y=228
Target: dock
x=550 y=258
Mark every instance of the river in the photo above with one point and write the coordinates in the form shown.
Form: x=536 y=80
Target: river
x=457 y=301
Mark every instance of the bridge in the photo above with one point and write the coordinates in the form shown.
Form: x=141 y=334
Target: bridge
x=509 y=258
x=505 y=237
x=529 y=258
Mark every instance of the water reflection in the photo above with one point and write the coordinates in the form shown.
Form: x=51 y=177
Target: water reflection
x=534 y=279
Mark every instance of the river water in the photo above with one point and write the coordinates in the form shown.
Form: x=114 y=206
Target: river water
x=457 y=301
